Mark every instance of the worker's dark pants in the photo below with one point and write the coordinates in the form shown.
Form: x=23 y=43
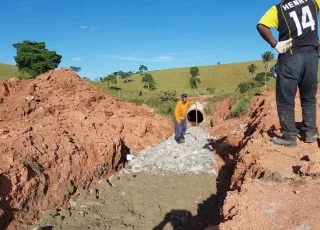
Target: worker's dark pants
x=180 y=129
x=299 y=70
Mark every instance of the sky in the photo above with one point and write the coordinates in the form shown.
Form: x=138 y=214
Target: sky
x=104 y=36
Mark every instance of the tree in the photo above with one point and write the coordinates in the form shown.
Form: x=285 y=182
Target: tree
x=149 y=81
x=194 y=71
x=194 y=81
x=34 y=59
x=124 y=75
x=75 y=68
x=111 y=78
x=252 y=68
x=266 y=59
x=142 y=69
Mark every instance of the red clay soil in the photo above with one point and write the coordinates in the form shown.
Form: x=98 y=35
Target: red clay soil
x=270 y=187
x=59 y=134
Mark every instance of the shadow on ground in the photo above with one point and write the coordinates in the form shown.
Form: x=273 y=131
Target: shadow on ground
x=5 y=190
x=209 y=213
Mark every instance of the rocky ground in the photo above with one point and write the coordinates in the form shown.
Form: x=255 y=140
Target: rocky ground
x=194 y=156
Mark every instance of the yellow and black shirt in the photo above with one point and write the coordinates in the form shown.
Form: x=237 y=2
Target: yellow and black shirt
x=296 y=19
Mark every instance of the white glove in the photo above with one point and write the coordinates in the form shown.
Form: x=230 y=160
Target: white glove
x=283 y=46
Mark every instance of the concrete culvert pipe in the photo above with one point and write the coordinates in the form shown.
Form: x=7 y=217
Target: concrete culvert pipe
x=195 y=114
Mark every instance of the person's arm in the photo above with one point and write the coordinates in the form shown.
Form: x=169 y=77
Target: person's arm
x=270 y=20
x=266 y=34
x=190 y=103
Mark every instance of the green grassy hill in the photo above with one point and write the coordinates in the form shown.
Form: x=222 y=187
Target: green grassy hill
x=8 y=71
x=223 y=77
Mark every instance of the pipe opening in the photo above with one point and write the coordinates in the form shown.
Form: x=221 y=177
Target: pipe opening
x=193 y=115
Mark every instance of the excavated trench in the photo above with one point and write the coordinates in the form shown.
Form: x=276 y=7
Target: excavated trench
x=163 y=186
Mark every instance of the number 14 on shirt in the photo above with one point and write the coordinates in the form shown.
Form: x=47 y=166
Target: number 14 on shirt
x=306 y=13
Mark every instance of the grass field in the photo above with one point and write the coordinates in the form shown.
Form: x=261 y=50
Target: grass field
x=224 y=78
x=8 y=71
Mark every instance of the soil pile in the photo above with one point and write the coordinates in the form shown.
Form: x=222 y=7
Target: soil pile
x=58 y=134
x=270 y=187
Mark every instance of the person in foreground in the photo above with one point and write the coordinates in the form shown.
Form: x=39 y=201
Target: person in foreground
x=180 y=118
x=297 y=65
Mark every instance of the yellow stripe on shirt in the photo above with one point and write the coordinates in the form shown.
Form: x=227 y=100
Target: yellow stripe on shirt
x=270 y=18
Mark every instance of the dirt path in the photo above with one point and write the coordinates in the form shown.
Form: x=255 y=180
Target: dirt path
x=168 y=186
x=142 y=201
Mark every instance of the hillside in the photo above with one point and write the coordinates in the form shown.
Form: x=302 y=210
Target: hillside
x=223 y=77
x=8 y=71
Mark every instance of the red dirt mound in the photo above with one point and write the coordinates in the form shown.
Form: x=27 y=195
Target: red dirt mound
x=270 y=187
x=58 y=134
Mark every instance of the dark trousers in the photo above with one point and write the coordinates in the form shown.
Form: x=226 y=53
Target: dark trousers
x=180 y=129
x=297 y=71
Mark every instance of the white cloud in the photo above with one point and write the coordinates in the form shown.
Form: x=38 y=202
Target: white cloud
x=189 y=52
x=77 y=59
x=156 y=59
x=165 y=58
x=91 y=28
x=173 y=53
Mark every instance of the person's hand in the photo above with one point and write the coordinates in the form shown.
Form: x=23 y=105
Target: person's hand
x=283 y=46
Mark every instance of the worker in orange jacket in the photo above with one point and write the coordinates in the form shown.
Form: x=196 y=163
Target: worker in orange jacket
x=180 y=120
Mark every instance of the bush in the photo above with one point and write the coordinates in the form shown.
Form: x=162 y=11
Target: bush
x=167 y=95
x=260 y=78
x=247 y=86
x=210 y=90
x=240 y=108
x=165 y=108
x=24 y=75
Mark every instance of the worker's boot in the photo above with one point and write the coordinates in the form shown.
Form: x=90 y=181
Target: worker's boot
x=311 y=139
x=179 y=140
x=284 y=142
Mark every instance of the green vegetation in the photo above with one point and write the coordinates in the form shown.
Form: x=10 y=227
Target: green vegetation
x=149 y=81
x=252 y=69
x=222 y=78
x=194 y=80
x=162 y=88
x=217 y=81
x=167 y=95
x=34 y=59
x=142 y=68
x=267 y=57
x=8 y=71
x=75 y=68
x=111 y=78
x=240 y=105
